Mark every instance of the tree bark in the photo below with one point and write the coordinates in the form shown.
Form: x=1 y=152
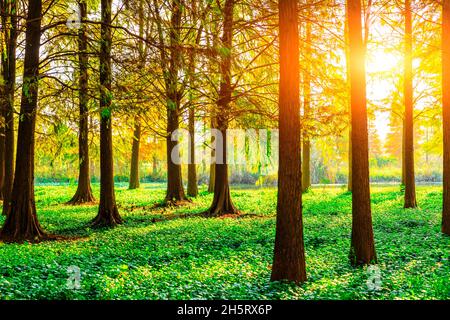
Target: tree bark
x=446 y=113
x=175 y=191
x=134 y=170
x=212 y=165
x=362 y=243
x=306 y=164
x=2 y=150
x=108 y=214
x=289 y=255
x=84 y=190
x=192 y=188
x=410 y=187
x=222 y=203
x=214 y=68
x=347 y=56
x=350 y=174
x=154 y=165
x=212 y=177
x=9 y=76
x=22 y=223
x=403 y=153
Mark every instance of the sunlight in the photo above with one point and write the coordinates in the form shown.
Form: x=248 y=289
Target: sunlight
x=382 y=67
x=380 y=61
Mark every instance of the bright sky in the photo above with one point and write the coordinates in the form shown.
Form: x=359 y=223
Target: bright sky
x=381 y=61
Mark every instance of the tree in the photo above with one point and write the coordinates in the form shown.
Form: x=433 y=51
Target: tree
x=446 y=113
x=212 y=165
x=289 y=256
x=2 y=151
x=350 y=178
x=410 y=187
x=2 y=105
x=9 y=18
x=362 y=243
x=134 y=168
x=84 y=190
x=306 y=163
x=212 y=43
x=22 y=223
x=175 y=191
x=192 y=188
x=222 y=203
x=347 y=69
x=108 y=214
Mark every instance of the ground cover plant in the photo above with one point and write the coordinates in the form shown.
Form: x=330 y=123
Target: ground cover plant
x=171 y=253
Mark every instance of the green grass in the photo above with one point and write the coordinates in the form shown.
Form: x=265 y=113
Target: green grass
x=198 y=258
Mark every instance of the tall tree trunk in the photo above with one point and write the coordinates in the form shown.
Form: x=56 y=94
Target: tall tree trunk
x=214 y=69
x=84 y=190
x=347 y=56
x=192 y=188
x=403 y=153
x=3 y=91
x=175 y=191
x=410 y=186
x=446 y=113
x=212 y=165
x=289 y=255
x=362 y=243
x=203 y=166
x=22 y=223
x=108 y=214
x=134 y=170
x=306 y=164
x=222 y=203
x=350 y=174
x=2 y=148
x=212 y=177
x=9 y=76
x=154 y=165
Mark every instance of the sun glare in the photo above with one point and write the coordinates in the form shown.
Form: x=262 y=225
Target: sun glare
x=382 y=68
x=380 y=61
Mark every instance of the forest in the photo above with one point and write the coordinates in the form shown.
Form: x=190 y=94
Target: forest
x=225 y=149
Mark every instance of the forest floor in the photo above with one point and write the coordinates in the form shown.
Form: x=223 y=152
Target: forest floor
x=174 y=254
